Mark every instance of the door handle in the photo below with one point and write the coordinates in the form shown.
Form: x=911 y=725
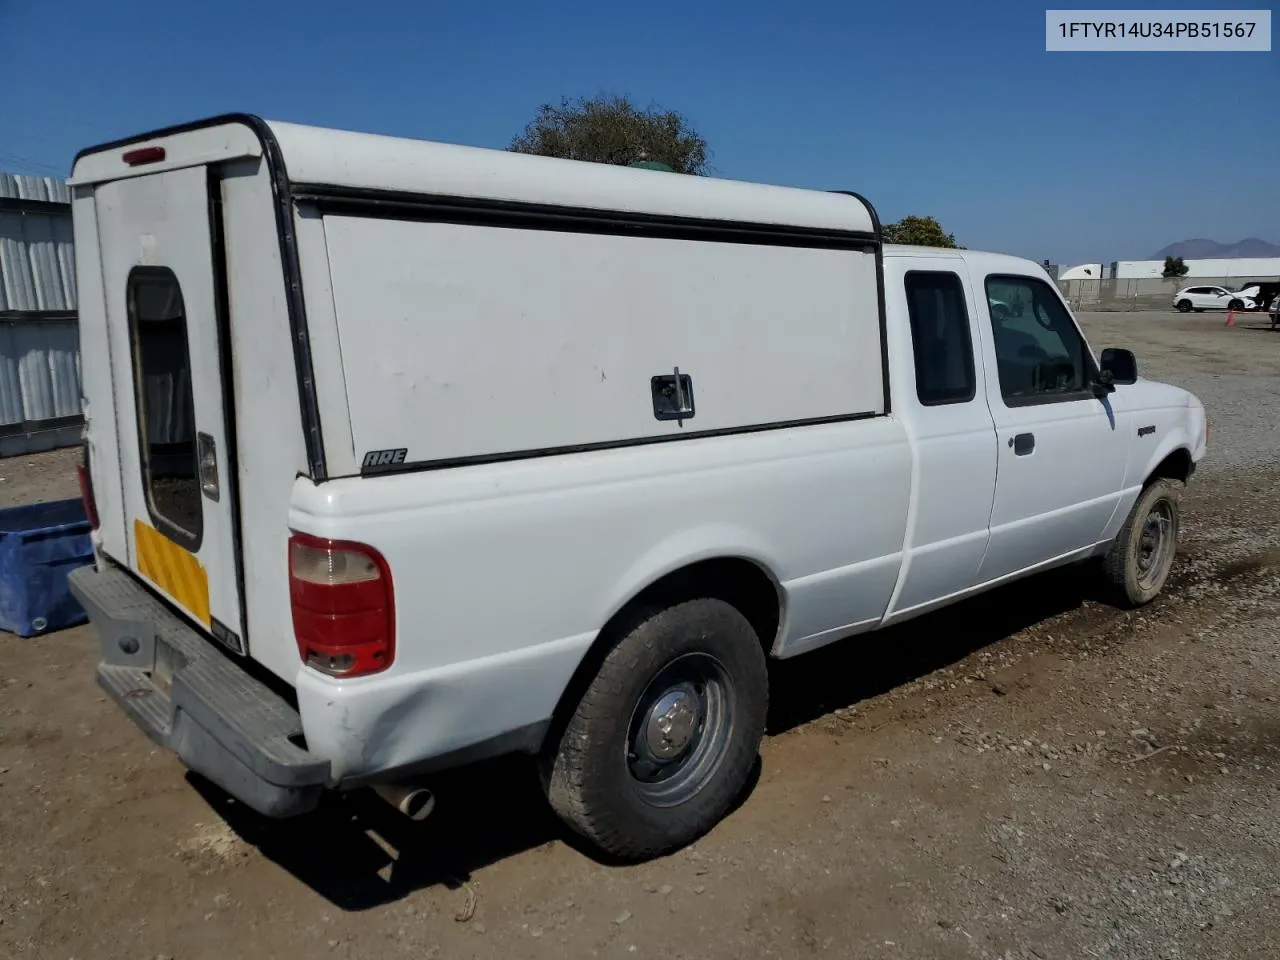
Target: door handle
x=1023 y=443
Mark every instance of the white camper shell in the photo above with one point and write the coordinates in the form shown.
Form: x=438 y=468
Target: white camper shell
x=402 y=454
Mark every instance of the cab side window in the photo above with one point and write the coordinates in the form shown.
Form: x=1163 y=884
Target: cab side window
x=1040 y=354
x=940 y=337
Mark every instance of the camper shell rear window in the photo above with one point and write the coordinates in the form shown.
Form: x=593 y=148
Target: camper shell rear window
x=165 y=406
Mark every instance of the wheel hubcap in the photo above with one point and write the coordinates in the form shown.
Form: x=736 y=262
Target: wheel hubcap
x=673 y=721
x=680 y=730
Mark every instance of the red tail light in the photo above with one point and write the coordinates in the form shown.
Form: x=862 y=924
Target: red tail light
x=86 y=488
x=343 y=606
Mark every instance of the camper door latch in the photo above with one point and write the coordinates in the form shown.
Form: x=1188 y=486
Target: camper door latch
x=207 y=458
x=672 y=396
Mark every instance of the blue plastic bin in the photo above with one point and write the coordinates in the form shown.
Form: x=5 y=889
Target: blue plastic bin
x=39 y=545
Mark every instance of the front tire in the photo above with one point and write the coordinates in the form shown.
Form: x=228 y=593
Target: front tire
x=1184 y=306
x=663 y=740
x=1138 y=563
x=1235 y=305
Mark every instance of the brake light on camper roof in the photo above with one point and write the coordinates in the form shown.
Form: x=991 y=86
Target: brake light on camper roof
x=343 y=606
x=136 y=158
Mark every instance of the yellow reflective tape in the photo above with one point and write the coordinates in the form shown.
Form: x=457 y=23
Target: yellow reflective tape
x=174 y=570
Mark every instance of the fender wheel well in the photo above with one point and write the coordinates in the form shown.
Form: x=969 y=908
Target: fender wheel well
x=1176 y=466
x=741 y=583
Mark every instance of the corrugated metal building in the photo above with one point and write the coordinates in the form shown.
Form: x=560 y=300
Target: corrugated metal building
x=39 y=342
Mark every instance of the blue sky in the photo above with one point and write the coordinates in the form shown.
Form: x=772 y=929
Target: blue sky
x=947 y=109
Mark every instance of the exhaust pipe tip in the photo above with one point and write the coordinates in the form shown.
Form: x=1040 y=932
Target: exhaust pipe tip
x=416 y=803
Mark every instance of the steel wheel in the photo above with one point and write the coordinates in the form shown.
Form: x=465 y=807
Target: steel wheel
x=1155 y=545
x=1139 y=560
x=663 y=739
x=680 y=729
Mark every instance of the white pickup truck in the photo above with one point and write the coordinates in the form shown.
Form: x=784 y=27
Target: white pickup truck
x=402 y=454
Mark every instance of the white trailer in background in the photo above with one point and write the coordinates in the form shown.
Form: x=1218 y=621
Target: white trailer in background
x=1220 y=268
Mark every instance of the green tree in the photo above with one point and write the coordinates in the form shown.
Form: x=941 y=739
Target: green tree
x=611 y=129
x=919 y=232
x=1174 y=267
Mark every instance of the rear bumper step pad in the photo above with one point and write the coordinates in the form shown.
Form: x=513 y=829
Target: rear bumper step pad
x=193 y=699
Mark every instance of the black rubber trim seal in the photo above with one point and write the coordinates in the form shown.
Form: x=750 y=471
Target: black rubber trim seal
x=440 y=208
x=279 y=176
x=446 y=463
x=884 y=325
x=231 y=455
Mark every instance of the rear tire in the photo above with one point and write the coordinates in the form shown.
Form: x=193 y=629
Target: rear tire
x=665 y=736
x=1184 y=306
x=1137 y=565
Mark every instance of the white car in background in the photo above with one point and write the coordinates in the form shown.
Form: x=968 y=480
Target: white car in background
x=1210 y=298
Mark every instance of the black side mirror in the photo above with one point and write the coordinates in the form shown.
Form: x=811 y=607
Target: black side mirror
x=1121 y=365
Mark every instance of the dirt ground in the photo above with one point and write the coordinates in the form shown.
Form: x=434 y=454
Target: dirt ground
x=1029 y=775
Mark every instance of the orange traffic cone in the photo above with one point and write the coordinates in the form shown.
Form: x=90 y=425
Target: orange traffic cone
x=1231 y=318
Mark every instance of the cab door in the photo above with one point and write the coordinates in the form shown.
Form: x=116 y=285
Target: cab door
x=158 y=236
x=948 y=415
x=1061 y=447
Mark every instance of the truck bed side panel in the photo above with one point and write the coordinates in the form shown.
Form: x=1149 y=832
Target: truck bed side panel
x=519 y=564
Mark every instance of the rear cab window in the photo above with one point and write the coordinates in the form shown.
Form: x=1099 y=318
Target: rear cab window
x=940 y=338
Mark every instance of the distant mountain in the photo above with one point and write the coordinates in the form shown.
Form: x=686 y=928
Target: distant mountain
x=1210 y=249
